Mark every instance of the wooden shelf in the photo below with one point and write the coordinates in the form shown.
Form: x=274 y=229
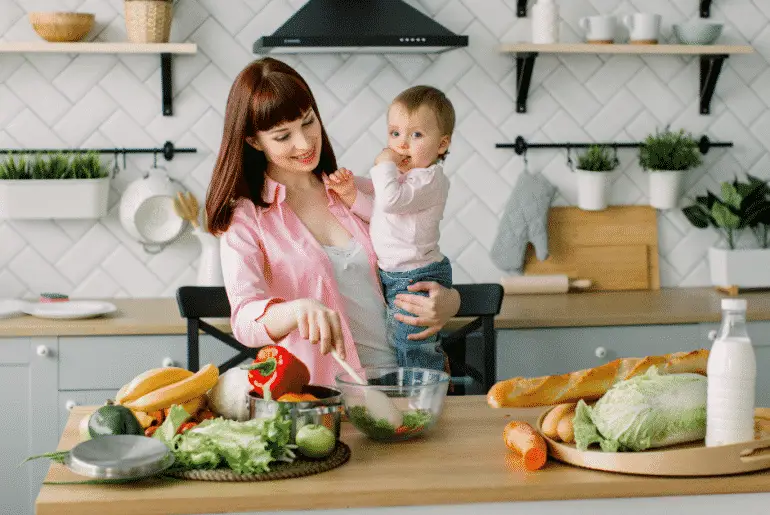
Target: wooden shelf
x=587 y=48
x=165 y=50
x=97 y=48
x=712 y=58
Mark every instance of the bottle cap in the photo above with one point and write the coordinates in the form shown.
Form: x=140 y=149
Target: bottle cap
x=734 y=304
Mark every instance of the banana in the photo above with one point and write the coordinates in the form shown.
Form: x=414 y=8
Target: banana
x=150 y=381
x=177 y=393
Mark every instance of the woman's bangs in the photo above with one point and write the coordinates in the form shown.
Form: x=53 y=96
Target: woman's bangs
x=280 y=101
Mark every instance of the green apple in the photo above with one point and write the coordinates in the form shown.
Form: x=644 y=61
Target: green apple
x=315 y=440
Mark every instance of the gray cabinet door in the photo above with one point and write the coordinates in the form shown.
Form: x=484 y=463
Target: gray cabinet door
x=109 y=362
x=759 y=332
x=28 y=424
x=549 y=351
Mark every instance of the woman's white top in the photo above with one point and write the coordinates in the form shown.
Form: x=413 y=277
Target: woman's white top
x=364 y=306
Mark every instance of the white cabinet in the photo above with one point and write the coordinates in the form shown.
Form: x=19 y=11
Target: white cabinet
x=28 y=422
x=41 y=378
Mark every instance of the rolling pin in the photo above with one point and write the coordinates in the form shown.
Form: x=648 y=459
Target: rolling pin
x=542 y=284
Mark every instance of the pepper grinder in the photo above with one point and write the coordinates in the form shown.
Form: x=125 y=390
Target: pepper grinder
x=545 y=22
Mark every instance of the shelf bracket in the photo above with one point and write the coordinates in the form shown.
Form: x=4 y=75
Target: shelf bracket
x=525 y=63
x=705 y=8
x=521 y=8
x=710 y=67
x=165 y=84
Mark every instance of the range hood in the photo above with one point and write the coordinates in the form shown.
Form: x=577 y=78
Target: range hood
x=359 y=26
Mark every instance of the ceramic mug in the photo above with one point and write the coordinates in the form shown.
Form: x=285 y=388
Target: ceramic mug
x=643 y=28
x=599 y=29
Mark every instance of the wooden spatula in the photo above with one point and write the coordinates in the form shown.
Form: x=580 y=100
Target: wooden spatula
x=186 y=206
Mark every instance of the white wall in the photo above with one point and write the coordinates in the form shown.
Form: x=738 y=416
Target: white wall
x=60 y=101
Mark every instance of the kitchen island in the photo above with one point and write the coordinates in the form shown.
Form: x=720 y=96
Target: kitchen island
x=463 y=461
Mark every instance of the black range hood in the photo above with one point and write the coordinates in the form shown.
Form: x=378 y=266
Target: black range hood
x=359 y=26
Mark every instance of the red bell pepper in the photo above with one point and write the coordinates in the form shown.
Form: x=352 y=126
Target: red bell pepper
x=276 y=372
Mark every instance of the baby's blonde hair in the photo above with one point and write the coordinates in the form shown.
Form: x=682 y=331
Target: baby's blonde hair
x=435 y=100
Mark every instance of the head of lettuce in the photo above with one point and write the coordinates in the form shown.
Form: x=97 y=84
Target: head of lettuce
x=646 y=411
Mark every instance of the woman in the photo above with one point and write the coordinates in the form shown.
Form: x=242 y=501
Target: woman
x=298 y=264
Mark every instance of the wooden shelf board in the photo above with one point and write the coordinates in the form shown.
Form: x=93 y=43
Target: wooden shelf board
x=96 y=47
x=586 y=48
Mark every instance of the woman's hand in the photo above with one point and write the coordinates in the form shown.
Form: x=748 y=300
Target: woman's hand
x=432 y=311
x=319 y=324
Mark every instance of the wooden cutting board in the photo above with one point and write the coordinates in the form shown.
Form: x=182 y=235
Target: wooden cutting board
x=693 y=459
x=617 y=249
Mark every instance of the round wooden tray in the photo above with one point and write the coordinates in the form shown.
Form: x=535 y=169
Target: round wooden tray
x=692 y=459
x=300 y=467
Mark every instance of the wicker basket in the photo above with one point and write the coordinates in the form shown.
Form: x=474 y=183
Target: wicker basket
x=148 y=21
x=61 y=27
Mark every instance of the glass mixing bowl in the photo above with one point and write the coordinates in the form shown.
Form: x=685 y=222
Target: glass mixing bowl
x=417 y=393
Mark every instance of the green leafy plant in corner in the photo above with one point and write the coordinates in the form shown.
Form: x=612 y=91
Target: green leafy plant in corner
x=742 y=205
x=597 y=158
x=669 y=150
x=39 y=166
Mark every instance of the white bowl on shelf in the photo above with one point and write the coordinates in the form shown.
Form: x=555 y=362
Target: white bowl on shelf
x=697 y=32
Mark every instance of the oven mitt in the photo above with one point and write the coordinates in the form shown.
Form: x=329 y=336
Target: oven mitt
x=525 y=219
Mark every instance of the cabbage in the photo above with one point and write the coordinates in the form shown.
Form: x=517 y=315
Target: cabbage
x=646 y=411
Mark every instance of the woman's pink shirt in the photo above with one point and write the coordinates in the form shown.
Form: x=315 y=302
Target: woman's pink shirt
x=269 y=256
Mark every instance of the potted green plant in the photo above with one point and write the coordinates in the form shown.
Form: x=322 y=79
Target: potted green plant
x=667 y=155
x=742 y=206
x=593 y=172
x=45 y=186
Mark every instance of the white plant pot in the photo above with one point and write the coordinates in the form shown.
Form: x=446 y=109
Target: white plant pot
x=744 y=268
x=592 y=190
x=665 y=188
x=41 y=199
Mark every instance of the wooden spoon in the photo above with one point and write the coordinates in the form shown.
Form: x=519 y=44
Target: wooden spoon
x=186 y=206
x=377 y=402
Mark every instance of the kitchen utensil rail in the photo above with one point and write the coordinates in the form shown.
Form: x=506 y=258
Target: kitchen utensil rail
x=521 y=145
x=167 y=151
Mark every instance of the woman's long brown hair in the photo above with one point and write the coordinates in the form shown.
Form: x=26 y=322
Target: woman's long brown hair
x=266 y=93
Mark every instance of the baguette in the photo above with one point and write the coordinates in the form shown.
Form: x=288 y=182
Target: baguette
x=589 y=384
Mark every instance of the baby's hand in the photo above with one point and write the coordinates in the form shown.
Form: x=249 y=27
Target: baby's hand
x=388 y=154
x=341 y=182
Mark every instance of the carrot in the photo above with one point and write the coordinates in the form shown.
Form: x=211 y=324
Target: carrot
x=522 y=438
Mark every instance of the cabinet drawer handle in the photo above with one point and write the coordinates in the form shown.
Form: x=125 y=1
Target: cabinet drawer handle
x=42 y=351
x=168 y=362
x=712 y=335
x=600 y=352
x=70 y=404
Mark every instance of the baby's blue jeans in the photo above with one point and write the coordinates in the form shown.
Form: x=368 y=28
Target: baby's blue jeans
x=414 y=353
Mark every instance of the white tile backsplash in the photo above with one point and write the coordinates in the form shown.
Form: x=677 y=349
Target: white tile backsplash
x=52 y=100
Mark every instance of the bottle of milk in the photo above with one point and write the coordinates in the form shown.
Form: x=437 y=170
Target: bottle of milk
x=732 y=372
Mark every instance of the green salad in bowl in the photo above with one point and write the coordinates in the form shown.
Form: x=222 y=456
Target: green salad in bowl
x=417 y=396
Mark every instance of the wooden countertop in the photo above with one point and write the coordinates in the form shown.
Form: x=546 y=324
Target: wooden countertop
x=665 y=306
x=462 y=461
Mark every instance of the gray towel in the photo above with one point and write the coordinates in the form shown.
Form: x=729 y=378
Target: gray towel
x=525 y=220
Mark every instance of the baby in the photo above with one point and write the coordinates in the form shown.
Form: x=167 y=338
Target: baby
x=410 y=191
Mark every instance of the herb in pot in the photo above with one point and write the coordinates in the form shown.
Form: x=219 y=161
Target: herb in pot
x=43 y=166
x=669 y=151
x=597 y=159
x=742 y=205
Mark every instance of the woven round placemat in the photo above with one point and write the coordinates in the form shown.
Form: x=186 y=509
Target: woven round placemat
x=300 y=467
